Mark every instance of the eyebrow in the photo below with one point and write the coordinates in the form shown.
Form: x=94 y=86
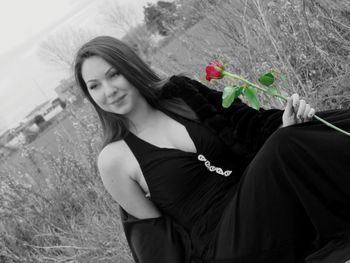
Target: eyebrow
x=106 y=73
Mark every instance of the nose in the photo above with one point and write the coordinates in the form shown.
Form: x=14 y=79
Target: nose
x=109 y=89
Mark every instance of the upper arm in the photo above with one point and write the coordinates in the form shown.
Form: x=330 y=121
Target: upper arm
x=116 y=173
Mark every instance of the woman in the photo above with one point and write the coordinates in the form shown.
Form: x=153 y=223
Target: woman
x=223 y=185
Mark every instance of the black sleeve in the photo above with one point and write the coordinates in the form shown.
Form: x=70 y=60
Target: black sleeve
x=156 y=240
x=243 y=127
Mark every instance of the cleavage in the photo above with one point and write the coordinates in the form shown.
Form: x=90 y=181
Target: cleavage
x=169 y=134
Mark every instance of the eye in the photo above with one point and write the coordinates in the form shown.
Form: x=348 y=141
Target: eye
x=114 y=73
x=93 y=86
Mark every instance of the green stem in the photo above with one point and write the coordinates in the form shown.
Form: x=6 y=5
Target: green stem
x=331 y=125
x=237 y=77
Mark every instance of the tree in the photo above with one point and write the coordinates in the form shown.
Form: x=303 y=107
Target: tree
x=140 y=39
x=160 y=17
x=122 y=19
x=59 y=49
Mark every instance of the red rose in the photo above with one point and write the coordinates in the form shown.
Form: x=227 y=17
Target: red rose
x=213 y=72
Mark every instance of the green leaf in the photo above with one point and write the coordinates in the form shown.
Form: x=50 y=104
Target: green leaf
x=238 y=91
x=267 y=79
x=230 y=94
x=252 y=96
x=272 y=91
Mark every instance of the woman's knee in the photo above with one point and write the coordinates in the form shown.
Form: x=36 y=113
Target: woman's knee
x=281 y=142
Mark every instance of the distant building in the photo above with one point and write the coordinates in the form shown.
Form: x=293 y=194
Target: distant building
x=29 y=128
x=48 y=110
x=9 y=142
x=16 y=141
x=38 y=110
x=5 y=137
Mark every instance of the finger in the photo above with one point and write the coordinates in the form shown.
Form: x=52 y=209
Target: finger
x=311 y=113
x=288 y=111
x=301 y=109
x=295 y=98
x=306 y=111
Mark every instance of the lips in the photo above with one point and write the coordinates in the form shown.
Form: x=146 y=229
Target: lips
x=118 y=100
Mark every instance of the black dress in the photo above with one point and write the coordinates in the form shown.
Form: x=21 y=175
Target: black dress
x=290 y=201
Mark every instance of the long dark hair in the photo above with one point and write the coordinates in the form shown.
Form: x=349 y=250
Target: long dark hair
x=138 y=73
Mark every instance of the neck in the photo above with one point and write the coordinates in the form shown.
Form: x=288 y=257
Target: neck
x=143 y=117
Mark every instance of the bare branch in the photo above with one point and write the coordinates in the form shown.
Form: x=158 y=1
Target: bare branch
x=59 y=49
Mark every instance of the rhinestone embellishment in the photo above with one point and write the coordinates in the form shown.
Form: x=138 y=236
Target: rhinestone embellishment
x=213 y=168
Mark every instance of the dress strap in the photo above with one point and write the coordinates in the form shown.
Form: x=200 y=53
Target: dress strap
x=175 y=116
x=139 y=146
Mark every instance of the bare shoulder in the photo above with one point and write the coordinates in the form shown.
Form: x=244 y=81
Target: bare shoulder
x=117 y=172
x=115 y=157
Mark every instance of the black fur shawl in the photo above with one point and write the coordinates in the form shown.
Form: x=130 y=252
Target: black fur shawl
x=241 y=127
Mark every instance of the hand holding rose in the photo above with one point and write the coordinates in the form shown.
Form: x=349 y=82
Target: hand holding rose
x=296 y=111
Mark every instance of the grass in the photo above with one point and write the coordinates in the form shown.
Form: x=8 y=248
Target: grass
x=53 y=205
x=307 y=41
x=55 y=208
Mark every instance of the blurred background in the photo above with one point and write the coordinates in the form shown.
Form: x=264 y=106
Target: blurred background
x=53 y=206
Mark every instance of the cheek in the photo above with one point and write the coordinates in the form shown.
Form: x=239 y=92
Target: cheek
x=135 y=98
x=96 y=97
x=135 y=95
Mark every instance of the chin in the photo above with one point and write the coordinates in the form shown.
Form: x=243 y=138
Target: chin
x=123 y=110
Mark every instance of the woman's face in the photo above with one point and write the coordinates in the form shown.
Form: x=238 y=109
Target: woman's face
x=108 y=88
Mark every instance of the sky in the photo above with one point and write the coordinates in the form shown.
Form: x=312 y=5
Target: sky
x=26 y=79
